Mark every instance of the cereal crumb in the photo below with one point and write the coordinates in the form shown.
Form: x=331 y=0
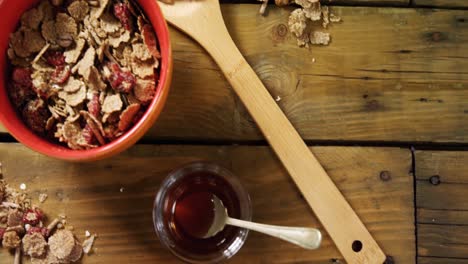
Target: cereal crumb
x=88 y=244
x=61 y=244
x=34 y=245
x=319 y=38
x=23 y=186
x=43 y=197
x=11 y=240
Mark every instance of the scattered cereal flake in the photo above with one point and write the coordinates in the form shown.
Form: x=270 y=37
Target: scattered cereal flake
x=78 y=10
x=126 y=118
x=47 y=11
x=72 y=55
x=314 y=12
x=33 y=41
x=319 y=38
x=115 y=41
x=87 y=233
x=112 y=103
x=76 y=253
x=43 y=196
x=122 y=189
x=14 y=218
x=74 y=99
x=11 y=240
x=48 y=31
x=32 y=18
x=102 y=49
x=144 y=90
x=94 y=80
x=22 y=186
x=143 y=69
x=297 y=22
x=86 y=62
x=61 y=244
x=109 y=23
x=17 y=43
x=325 y=16
x=73 y=85
x=95 y=125
x=34 y=245
x=278 y=98
x=334 y=18
x=65 y=25
x=97 y=12
x=88 y=244
x=141 y=52
x=35 y=115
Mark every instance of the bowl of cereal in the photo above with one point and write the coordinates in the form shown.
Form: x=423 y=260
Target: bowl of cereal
x=82 y=80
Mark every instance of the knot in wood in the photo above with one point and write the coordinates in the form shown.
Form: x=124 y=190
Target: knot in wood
x=385 y=176
x=434 y=180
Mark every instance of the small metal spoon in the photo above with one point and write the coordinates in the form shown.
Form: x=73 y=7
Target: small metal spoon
x=309 y=238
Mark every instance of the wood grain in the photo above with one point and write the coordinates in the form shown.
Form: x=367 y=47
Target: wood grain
x=442 y=210
x=386 y=74
x=441 y=3
x=89 y=195
x=368 y=2
x=203 y=21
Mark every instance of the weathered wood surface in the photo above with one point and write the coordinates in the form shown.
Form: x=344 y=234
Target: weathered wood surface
x=89 y=195
x=367 y=2
x=441 y=3
x=442 y=207
x=387 y=73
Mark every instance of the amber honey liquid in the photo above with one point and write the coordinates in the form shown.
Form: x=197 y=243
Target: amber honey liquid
x=189 y=212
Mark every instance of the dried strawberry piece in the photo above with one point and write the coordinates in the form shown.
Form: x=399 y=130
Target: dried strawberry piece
x=41 y=230
x=122 y=12
x=126 y=118
x=88 y=134
x=2 y=231
x=149 y=38
x=32 y=216
x=94 y=107
x=121 y=81
x=55 y=58
x=61 y=74
x=22 y=77
x=138 y=116
x=35 y=115
x=20 y=94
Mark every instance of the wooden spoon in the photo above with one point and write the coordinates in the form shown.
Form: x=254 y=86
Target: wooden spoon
x=202 y=20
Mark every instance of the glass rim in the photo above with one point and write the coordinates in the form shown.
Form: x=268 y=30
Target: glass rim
x=158 y=210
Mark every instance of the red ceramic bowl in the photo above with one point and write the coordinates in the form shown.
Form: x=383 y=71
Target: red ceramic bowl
x=10 y=12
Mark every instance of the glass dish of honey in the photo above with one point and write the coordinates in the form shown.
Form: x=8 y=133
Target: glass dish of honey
x=183 y=212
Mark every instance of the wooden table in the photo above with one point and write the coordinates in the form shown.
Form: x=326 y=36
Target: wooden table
x=385 y=107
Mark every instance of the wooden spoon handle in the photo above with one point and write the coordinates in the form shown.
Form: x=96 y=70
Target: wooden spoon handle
x=343 y=225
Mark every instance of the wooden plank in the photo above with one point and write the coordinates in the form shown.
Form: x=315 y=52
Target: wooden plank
x=384 y=82
x=443 y=241
x=441 y=3
x=335 y=2
x=425 y=260
x=442 y=212
x=89 y=195
x=368 y=2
